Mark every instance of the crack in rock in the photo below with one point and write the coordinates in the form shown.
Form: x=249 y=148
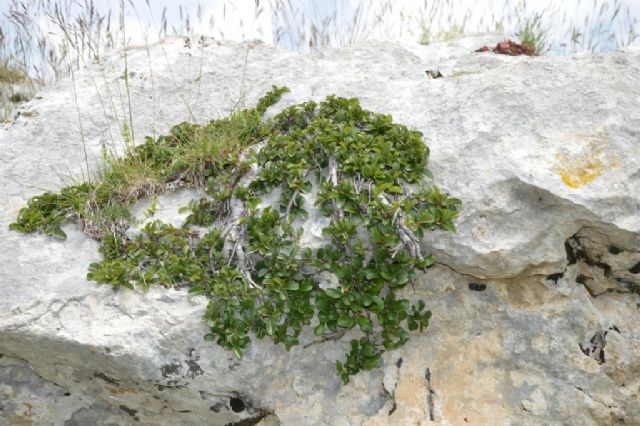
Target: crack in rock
x=390 y=383
x=430 y=396
x=598 y=400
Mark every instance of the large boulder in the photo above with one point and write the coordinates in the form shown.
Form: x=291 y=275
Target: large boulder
x=535 y=299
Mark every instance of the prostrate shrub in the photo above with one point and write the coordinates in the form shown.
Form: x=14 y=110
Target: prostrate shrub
x=367 y=175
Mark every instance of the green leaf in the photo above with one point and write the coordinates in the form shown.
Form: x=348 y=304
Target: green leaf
x=371 y=275
x=57 y=233
x=380 y=189
x=333 y=293
x=386 y=275
x=292 y=285
x=378 y=300
x=196 y=289
x=238 y=352
x=365 y=324
x=306 y=286
x=345 y=321
x=402 y=277
x=270 y=326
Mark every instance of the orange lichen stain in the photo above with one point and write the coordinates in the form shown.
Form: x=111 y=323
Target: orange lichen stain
x=578 y=170
x=116 y=391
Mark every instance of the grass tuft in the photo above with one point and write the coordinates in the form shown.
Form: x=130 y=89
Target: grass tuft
x=10 y=74
x=188 y=155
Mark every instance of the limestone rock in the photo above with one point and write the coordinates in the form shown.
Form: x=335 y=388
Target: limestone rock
x=536 y=298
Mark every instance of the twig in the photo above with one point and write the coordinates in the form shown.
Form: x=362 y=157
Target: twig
x=294 y=196
x=406 y=235
x=291 y=201
x=333 y=178
x=336 y=335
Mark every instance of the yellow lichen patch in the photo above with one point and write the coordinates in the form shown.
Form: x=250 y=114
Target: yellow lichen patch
x=580 y=171
x=577 y=170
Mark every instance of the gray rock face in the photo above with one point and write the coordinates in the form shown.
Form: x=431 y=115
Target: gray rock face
x=535 y=300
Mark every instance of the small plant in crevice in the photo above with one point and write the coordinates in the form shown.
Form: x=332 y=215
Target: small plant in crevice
x=532 y=33
x=366 y=174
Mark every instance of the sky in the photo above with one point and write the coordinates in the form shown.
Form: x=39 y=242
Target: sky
x=279 y=20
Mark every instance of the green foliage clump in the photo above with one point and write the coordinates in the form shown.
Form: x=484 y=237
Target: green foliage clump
x=368 y=177
x=48 y=211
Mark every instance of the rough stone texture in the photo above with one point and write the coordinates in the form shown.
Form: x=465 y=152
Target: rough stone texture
x=536 y=299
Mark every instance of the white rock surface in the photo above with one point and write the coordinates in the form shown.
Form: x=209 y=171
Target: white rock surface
x=536 y=303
